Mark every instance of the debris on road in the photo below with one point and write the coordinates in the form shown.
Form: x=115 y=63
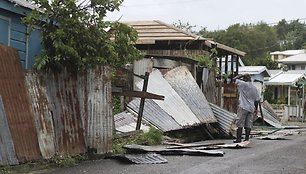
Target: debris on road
x=243 y=144
x=134 y=148
x=148 y=158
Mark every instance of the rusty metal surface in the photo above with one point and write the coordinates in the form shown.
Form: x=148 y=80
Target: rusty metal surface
x=17 y=105
x=173 y=103
x=42 y=115
x=185 y=85
x=155 y=115
x=99 y=107
x=226 y=119
x=7 y=149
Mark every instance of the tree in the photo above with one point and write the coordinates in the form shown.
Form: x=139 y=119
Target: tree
x=185 y=26
x=255 y=40
x=292 y=35
x=75 y=34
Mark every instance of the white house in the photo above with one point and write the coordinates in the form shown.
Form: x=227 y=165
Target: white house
x=279 y=55
x=296 y=62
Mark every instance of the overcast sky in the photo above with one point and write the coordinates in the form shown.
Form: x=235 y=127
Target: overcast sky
x=212 y=14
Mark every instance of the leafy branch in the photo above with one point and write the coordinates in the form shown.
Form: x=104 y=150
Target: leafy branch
x=75 y=34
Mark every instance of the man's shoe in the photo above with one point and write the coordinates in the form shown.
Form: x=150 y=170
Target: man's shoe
x=237 y=141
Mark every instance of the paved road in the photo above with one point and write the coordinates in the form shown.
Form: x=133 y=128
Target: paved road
x=262 y=157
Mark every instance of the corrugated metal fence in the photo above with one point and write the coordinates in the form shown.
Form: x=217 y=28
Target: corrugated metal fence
x=55 y=113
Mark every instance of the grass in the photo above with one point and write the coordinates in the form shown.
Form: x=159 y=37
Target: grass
x=153 y=137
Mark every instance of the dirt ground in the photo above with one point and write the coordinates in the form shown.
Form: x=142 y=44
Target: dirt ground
x=260 y=157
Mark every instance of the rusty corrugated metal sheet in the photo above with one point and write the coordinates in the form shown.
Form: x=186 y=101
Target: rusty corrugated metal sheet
x=225 y=119
x=155 y=115
x=42 y=115
x=72 y=111
x=17 y=105
x=7 y=149
x=173 y=103
x=99 y=107
x=65 y=109
x=185 y=85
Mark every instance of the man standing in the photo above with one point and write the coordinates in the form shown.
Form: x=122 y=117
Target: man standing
x=248 y=104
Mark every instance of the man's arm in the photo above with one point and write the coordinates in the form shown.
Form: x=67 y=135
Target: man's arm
x=256 y=103
x=238 y=77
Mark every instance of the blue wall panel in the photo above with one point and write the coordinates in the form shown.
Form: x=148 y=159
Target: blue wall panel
x=18 y=36
x=14 y=33
x=35 y=46
x=4 y=30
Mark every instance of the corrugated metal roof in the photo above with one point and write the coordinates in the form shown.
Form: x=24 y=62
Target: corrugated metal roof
x=288 y=52
x=155 y=115
x=7 y=150
x=268 y=117
x=17 y=105
x=296 y=59
x=285 y=79
x=275 y=72
x=72 y=111
x=173 y=103
x=126 y=122
x=187 y=88
x=24 y=3
x=151 y=31
x=225 y=119
x=254 y=70
x=42 y=115
x=149 y=158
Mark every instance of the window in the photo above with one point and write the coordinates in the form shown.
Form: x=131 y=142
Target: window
x=292 y=67
x=302 y=67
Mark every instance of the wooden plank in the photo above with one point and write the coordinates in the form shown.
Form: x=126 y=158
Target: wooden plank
x=235 y=145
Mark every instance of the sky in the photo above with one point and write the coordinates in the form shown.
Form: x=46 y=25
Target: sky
x=211 y=14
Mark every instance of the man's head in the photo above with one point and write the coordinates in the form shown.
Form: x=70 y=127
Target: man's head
x=247 y=77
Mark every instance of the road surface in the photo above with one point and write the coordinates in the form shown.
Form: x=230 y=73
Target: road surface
x=262 y=156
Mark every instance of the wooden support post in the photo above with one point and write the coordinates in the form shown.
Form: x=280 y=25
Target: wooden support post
x=142 y=101
x=232 y=67
x=237 y=66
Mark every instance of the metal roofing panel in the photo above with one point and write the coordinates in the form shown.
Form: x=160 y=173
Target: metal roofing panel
x=155 y=115
x=17 y=105
x=149 y=158
x=126 y=122
x=225 y=119
x=187 y=88
x=7 y=149
x=285 y=79
x=254 y=70
x=24 y=3
x=173 y=103
x=288 y=52
x=100 y=121
x=42 y=115
x=268 y=117
x=299 y=58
